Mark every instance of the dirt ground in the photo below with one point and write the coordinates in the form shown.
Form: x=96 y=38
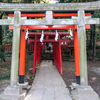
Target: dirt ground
x=68 y=73
x=4 y=71
x=93 y=74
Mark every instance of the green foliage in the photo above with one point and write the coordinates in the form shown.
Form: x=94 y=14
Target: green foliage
x=7 y=75
x=93 y=35
x=6 y=1
x=75 y=1
x=96 y=30
x=30 y=1
x=7 y=35
x=96 y=15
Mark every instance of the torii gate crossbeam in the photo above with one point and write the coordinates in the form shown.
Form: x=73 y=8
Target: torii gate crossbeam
x=88 y=6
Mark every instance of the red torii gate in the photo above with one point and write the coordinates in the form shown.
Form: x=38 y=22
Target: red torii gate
x=34 y=37
x=56 y=45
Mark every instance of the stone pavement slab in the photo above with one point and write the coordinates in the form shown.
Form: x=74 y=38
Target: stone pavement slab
x=48 y=84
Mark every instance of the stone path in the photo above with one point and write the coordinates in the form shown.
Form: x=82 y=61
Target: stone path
x=48 y=84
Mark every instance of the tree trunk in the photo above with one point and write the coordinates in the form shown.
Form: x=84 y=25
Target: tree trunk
x=94 y=45
x=1 y=14
x=0 y=35
x=0 y=31
x=91 y=34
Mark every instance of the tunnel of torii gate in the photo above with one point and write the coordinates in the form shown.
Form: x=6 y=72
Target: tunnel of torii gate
x=34 y=37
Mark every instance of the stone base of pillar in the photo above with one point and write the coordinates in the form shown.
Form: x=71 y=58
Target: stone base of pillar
x=15 y=93
x=13 y=97
x=24 y=85
x=83 y=93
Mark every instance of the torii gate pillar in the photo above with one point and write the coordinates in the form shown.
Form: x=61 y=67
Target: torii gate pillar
x=82 y=48
x=83 y=91
x=13 y=91
x=15 y=49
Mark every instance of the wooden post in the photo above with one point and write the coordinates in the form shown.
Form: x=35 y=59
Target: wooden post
x=57 y=55
x=60 y=57
x=76 y=54
x=22 y=55
x=35 y=55
x=82 y=48
x=39 y=45
x=54 y=51
x=15 y=49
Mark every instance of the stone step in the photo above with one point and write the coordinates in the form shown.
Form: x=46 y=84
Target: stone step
x=84 y=93
x=14 y=97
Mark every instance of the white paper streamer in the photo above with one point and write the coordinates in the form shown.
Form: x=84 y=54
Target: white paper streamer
x=56 y=37
x=42 y=36
x=71 y=34
x=26 y=37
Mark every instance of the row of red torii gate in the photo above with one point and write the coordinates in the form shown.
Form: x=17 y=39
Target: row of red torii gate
x=49 y=37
